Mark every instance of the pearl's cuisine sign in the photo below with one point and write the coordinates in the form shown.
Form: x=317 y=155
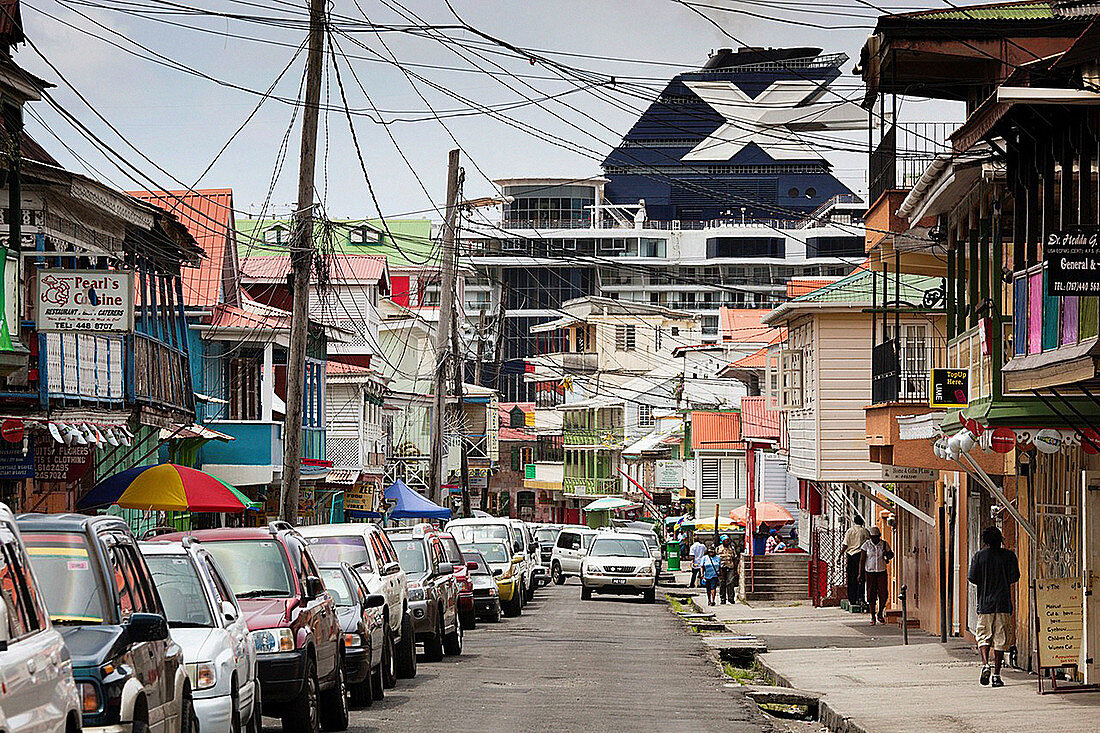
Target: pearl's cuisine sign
x=1072 y=260
x=98 y=301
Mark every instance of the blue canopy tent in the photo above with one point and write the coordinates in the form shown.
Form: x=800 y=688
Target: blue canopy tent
x=408 y=504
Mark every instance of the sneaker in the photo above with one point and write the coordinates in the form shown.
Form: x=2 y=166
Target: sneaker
x=881 y=619
x=986 y=671
x=997 y=681
x=872 y=620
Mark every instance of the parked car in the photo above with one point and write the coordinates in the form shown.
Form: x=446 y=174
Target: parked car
x=205 y=620
x=100 y=594
x=292 y=623
x=651 y=542
x=367 y=548
x=569 y=550
x=486 y=594
x=530 y=551
x=433 y=593
x=479 y=529
x=362 y=622
x=507 y=570
x=467 y=614
x=547 y=536
x=618 y=563
x=36 y=672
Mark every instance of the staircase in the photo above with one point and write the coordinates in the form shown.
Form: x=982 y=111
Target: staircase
x=780 y=577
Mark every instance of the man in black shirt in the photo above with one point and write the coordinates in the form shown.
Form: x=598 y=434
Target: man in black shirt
x=994 y=569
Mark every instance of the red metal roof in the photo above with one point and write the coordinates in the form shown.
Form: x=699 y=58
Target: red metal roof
x=230 y=316
x=716 y=430
x=344 y=268
x=757 y=421
x=208 y=215
x=509 y=433
x=741 y=325
x=339 y=367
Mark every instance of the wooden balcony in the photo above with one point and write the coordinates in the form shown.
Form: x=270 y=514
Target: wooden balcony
x=585 y=486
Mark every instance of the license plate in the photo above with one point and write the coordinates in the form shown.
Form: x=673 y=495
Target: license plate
x=618 y=581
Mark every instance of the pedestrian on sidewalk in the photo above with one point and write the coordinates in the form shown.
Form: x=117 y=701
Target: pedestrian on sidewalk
x=873 y=558
x=994 y=569
x=698 y=552
x=727 y=573
x=851 y=553
x=708 y=568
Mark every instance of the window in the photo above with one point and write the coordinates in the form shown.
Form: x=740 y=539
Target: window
x=790 y=379
x=130 y=597
x=645 y=414
x=17 y=591
x=277 y=234
x=625 y=338
x=244 y=387
x=516 y=417
x=708 y=479
x=363 y=235
x=675 y=330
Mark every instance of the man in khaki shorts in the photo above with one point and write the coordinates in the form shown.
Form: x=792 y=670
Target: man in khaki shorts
x=994 y=569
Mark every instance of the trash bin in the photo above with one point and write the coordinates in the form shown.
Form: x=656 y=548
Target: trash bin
x=672 y=555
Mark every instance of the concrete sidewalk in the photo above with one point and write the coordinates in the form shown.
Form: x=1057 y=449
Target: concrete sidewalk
x=871 y=683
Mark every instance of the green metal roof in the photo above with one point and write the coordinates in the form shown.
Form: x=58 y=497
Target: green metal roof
x=405 y=242
x=1038 y=10
x=856 y=288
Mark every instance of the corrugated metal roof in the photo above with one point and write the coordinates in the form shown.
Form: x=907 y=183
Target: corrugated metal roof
x=208 y=215
x=408 y=244
x=740 y=325
x=231 y=317
x=343 y=268
x=797 y=287
x=715 y=430
x=1036 y=10
x=856 y=288
x=757 y=421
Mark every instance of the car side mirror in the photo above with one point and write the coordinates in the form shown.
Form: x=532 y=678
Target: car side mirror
x=146 y=627
x=532 y=547
x=517 y=547
x=471 y=565
x=374 y=600
x=497 y=573
x=444 y=568
x=314 y=586
x=390 y=568
x=229 y=611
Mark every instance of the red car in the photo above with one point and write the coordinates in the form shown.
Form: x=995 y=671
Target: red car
x=292 y=623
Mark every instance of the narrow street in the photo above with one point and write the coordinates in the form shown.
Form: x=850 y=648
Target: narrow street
x=610 y=664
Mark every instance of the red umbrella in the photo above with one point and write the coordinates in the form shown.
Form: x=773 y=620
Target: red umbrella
x=766 y=513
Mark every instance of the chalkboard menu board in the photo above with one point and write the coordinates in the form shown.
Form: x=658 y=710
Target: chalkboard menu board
x=1060 y=604
x=1072 y=258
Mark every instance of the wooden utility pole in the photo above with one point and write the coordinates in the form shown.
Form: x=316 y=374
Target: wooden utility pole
x=301 y=262
x=480 y=347
x=460 y=393
x=498 y=323
x=443 y=331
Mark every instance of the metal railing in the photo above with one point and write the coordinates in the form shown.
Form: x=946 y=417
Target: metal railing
x=901 y=373
x=904 y=152
x=582 y=485
x=609 y=437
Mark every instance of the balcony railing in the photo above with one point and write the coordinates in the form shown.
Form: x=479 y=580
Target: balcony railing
x=900 y=372
x=583 y=486
x=161 y=374
x=903 y=154
x=611 y=437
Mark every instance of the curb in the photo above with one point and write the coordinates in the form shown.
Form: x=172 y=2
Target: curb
x=832 y=719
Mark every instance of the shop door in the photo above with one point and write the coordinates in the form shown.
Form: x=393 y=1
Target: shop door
x=1090 y=574
x=979 y=507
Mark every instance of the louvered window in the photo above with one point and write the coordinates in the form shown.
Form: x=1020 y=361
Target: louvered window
x=625 y=338
x=708 y=478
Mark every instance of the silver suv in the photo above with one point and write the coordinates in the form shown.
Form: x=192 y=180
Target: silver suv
x=571 y=547
x=39 y=692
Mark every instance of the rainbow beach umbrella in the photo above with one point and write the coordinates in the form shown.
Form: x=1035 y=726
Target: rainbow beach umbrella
x=166 y=487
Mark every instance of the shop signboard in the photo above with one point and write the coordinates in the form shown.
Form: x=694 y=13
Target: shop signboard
x=906 y=474
x=1072 y=259
x=1061 y=621
x=360 y=497
x=14 y=463
x=669 y=474
x=479 y=477
x=100 y=301
x=56 y=462
x=950 y=388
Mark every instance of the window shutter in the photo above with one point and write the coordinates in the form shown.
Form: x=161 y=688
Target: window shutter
x=631 y=339
x=790 y=362
x=620 y=338
x=730 y=479
x=771 y=381
x=708 y=478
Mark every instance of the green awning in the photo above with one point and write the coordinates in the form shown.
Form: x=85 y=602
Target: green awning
x=1025 y=412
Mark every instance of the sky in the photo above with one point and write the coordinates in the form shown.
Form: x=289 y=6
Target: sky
x=177 y=88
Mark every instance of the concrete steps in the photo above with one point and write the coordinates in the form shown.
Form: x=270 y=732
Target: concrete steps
x=782 y=577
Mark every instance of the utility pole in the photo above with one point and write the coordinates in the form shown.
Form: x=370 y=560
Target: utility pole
x=480 y=347
x=497 y=346
x=443 y=330
x=464 y=450
x=301 y=261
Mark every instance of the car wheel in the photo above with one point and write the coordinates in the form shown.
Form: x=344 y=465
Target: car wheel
x=586 y=593
x=557 y=575
x=650 y=595
x=256 y=722
x=433 y=646
x=361 y=696
x=452 y=642
x=514 y=605
x=522 y=593
x=389 y=659
x=406 y=650
x=494 y=614
x=334 y=702
x=303 y=714
x=235 y=722
x=140 y=726
x=377 y=682
x=531 y=590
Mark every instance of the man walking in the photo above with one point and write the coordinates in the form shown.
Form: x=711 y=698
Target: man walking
x=994 y=569
x=727 y=573
x=851 y=554
x=873 y=558
x=698 y=551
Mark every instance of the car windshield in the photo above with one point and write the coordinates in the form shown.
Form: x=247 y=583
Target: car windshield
x=180 y=590
x=67 y=577
x=619 y=546
x=253 y=568
x=450 y=545
x=478 y=532
x=410 y=553
x=547 y=535
x=649 y=539
x=351 y=549
x=491 y=551
x=476 y=557
x=337 y=586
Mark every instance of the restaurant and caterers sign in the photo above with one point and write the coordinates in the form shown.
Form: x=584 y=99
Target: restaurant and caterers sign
x=1060 y=604
x=85 y=300
x=1072 y=258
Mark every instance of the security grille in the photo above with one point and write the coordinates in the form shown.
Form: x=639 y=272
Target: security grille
x=343 y=452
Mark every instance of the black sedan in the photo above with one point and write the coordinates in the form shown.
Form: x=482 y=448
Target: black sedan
x=486 y=597
x=361 y=619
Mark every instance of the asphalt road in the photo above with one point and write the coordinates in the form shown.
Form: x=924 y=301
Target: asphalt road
x=609 y=664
